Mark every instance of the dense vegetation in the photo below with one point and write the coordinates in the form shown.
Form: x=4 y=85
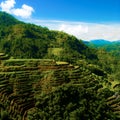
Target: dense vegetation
x=21 y=40
x=50 y=75
x=109 y=56
x=111 y=47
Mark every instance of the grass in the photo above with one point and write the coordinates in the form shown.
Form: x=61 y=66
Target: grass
x=55 y=51
x=62 y=63
x=25 y=62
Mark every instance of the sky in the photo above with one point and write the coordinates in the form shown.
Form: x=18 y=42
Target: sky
x=85 y=19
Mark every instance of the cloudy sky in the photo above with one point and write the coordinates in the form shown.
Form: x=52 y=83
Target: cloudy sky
x=86 y=19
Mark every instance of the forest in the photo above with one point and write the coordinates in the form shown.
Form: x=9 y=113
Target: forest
x=51 y=75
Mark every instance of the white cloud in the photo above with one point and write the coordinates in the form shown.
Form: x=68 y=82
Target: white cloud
x=9 y=6
x=24 y=12
x=82 y=30
x=103 y=31
x=74 y=29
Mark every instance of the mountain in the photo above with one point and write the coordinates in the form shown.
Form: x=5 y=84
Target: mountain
x=7 y=19
x=22 y=40
x=51 y=75
x=117 y=41
x=99 y=42
x=111 y=47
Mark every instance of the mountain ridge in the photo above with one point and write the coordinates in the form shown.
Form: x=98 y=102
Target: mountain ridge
x=101 y=41
x=4 y=17
x=24 y=40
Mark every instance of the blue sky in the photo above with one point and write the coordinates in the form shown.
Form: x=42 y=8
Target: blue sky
x=86 y=19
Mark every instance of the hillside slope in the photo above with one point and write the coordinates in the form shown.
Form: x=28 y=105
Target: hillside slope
x=47 y=89
x=4 y=17
x=50 y=75
x=112 y=47
x=22 y=40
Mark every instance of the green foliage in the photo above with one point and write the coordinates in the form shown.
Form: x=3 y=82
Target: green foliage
x=4 y=19
x=22 y=40
x=4 y=115
x=70 y=102
x=80 y=85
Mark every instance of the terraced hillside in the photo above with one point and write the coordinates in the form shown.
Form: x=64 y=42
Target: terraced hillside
x=17 y=81
x=23 y=81
x=50 y=75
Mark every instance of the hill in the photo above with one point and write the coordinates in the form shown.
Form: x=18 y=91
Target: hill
x=100 y=42
x=47 y=89
x=108 y=52
x=51 y=75
x=111 y=47
x=22 y=40
x=4 y=17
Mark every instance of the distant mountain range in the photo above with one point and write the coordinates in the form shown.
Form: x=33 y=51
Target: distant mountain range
x=113 y=47
x=101 y=42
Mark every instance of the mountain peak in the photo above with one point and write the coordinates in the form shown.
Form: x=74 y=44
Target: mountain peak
x=7 y=19
x=100 y=42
